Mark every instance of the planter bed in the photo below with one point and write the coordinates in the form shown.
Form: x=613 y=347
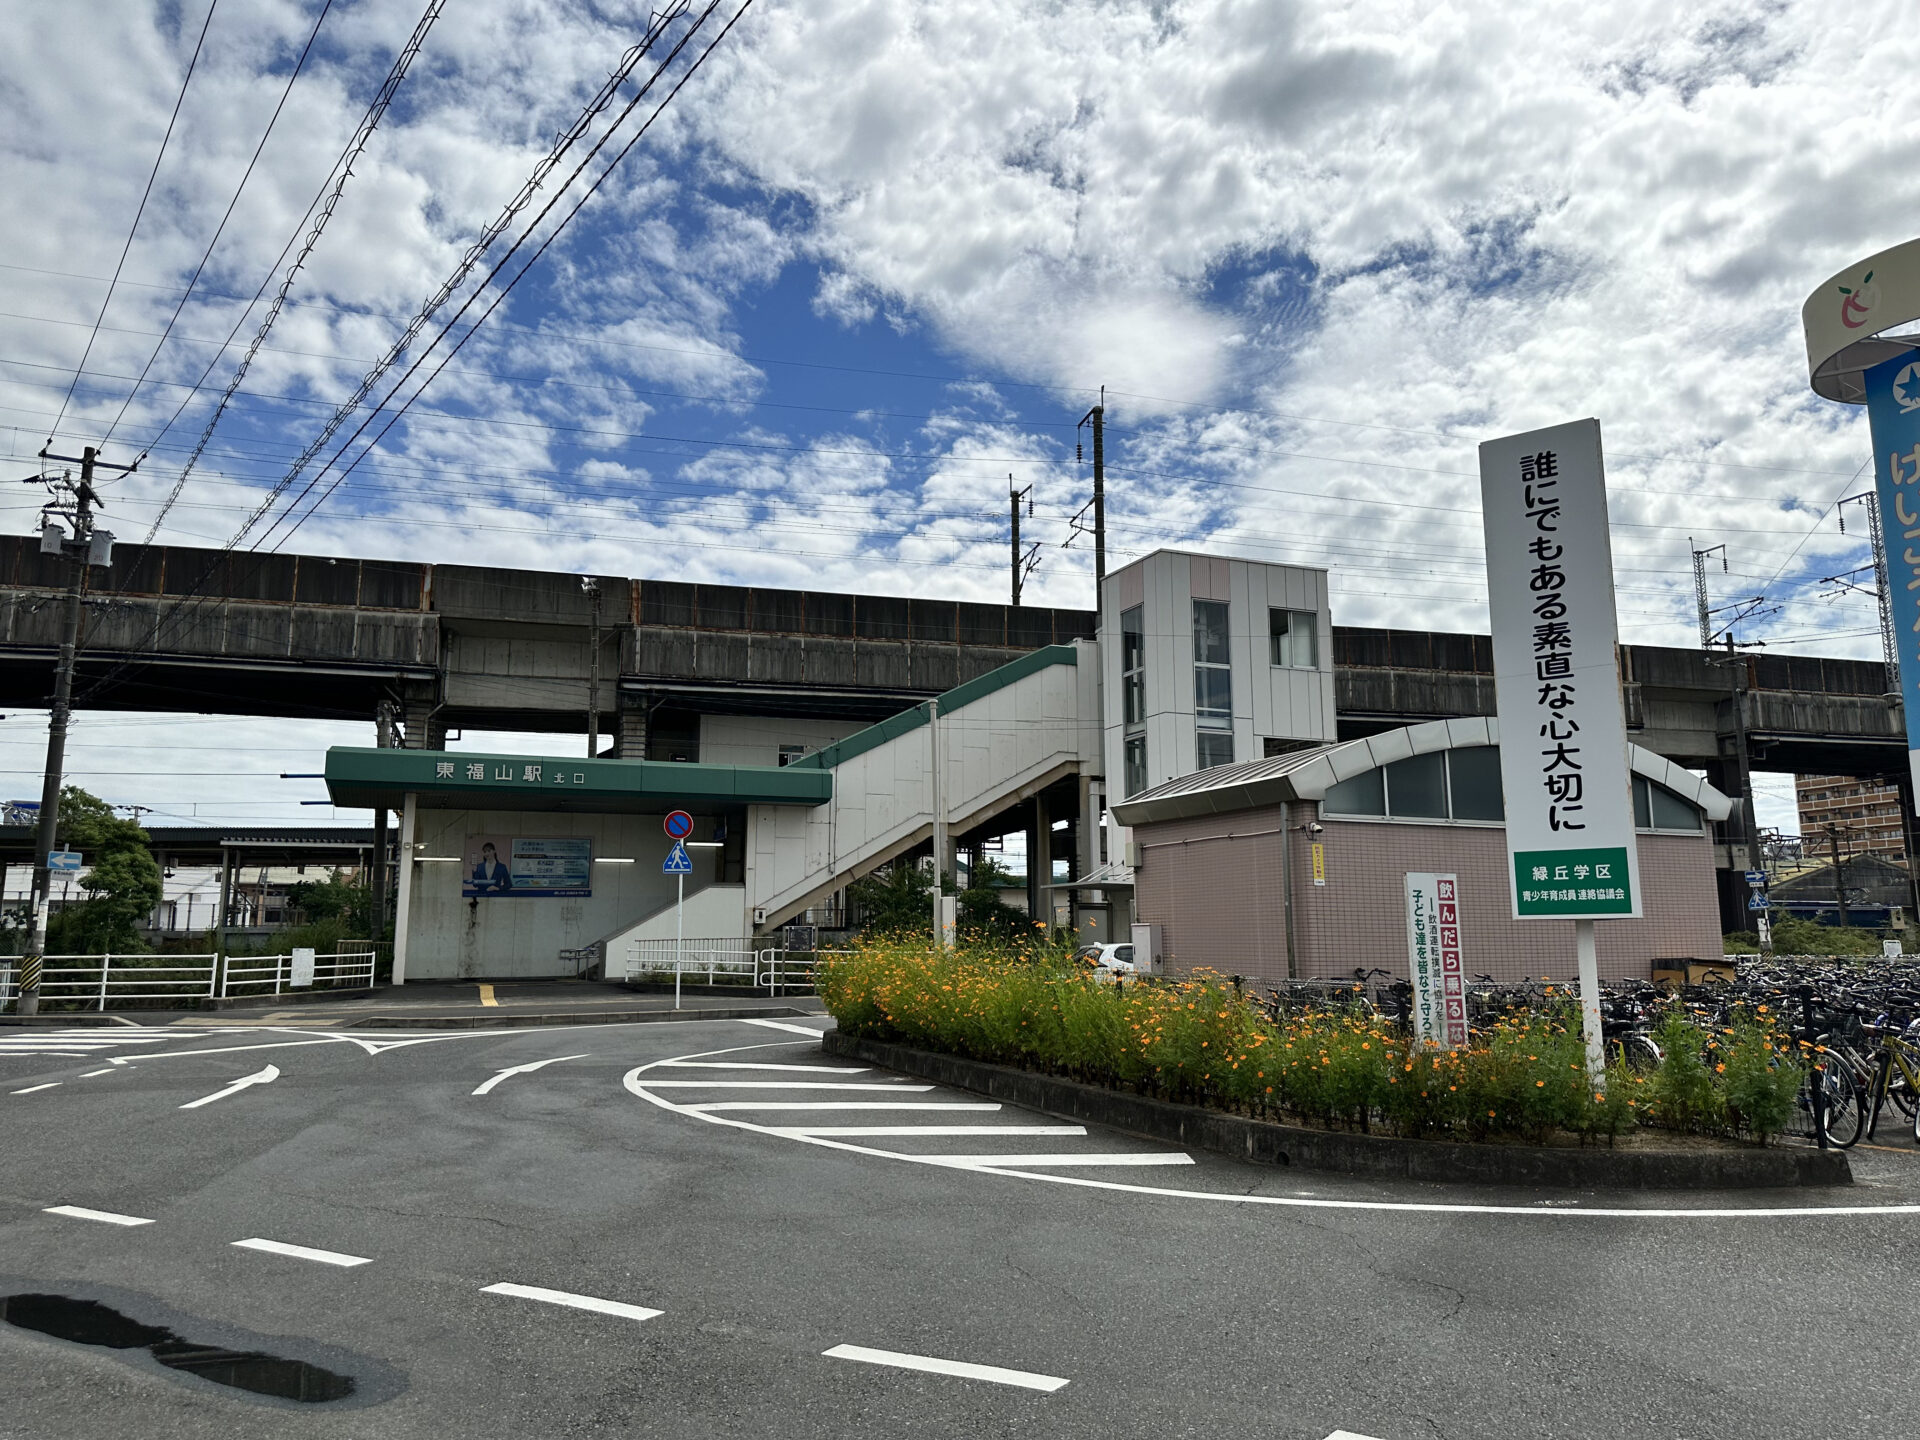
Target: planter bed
x=1690 y=1164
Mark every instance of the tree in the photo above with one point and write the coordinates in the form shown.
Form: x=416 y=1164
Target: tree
x=336 y=898
x=898 y=901
x=123 y=881
x=981 y=914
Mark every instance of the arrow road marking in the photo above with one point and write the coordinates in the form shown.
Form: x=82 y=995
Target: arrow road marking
x=487 y=1085
x=259 y=1077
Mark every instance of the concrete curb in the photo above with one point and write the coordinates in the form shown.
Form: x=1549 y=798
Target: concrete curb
x=602 y=1017
x=1267 y=1142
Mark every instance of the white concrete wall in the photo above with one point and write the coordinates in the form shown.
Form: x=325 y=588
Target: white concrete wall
x=756 y=739
x=449 y=938
x=882 y=799
x=1268 y=700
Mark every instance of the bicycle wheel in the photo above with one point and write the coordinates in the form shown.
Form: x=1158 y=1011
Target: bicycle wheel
x=1639 y=1053
x=1845 y=1105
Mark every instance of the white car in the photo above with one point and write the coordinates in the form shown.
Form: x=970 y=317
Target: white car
x=1115 y=959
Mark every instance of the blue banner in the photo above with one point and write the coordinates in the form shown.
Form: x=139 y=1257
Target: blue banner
x=1893 y=413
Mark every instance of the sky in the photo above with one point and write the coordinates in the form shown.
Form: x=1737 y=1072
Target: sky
x=877 y=256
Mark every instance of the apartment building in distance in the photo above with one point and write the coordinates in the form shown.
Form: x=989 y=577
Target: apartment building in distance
x=1865 y=812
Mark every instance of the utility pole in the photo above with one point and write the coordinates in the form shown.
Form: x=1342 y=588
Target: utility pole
x=1839 y=884
x=83 y=548
x=383 y=725
x=1097 y=418
x=592 y=587
x=1022 y=564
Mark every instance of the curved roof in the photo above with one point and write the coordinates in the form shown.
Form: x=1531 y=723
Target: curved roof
x=1309 y=774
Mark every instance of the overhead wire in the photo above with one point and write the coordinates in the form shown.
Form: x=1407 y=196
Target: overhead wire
x=325 y=201
x=138 y=213
x=220 y=229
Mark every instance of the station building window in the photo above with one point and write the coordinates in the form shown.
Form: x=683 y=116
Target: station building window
x=1212 y=685
x=1464 y=785
x=1295 y=638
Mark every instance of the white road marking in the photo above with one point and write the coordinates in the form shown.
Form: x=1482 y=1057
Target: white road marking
x=105 y=1217
x=751 y=1065
x=573 y=1302
x=1347 y=1435
x=1026 y=1380
x=783 y=1085
x=302 y=1252
x=633 y=1082
x=1167 y=1157
x=834 y=1105
x=486 y=1085
x=50 y=1085
x=57 y=1054
x=783 y=1025
x=91 y=1073
x=796 y=1130
x=259 y=1077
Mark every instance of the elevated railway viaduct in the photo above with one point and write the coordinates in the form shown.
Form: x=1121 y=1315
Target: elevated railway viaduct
x=438 y=646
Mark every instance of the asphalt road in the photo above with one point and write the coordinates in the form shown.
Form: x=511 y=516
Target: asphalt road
x=1113 y=1286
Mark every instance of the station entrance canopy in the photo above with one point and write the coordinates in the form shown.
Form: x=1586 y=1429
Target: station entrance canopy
x=362 y=778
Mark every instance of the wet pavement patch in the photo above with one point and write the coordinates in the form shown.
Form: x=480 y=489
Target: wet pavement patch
x=88 y=1322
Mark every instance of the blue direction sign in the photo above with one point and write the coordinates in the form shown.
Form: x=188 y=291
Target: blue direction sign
x=679 y=825
x=63 y=861
x=678 y=862
x=1759 y=902
x=1756 y=878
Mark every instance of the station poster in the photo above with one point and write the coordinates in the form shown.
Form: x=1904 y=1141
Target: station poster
x=512 y=867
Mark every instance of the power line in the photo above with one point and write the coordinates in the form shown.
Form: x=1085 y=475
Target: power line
x=533 y=260
x=220 y=229
x=133 y=229
x=325 y=201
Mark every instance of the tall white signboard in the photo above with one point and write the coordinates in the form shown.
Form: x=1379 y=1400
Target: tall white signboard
x=1563 y=738
x=1434 y=960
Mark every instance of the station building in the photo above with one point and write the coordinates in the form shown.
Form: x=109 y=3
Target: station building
x=1165 y=774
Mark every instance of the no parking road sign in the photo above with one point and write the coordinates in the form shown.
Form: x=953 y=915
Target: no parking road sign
x=678 y=862
x=678 y=825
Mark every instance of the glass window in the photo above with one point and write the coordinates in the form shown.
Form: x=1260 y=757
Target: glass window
x=1364 y=794
x=1213 y=697
x=1212 y=670
x=1295 y=638
x=1210 y=632
x=1417 y=787
x=1136 y=759
x=1215 y=748
x=1670 y=812
x=1133 y=667
x=1473 y=777
x=1642 y=804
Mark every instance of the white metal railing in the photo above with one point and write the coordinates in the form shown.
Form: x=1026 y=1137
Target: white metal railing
x=98 y=980
x=276 y=974
x=781 y=971
x=697 y=962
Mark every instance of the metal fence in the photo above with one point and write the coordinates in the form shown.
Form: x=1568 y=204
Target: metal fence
x=276 y=974
x=102 y=982
x=719 y=962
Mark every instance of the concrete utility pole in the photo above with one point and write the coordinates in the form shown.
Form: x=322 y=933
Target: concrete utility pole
x=1099 y=417
x=82 y=549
